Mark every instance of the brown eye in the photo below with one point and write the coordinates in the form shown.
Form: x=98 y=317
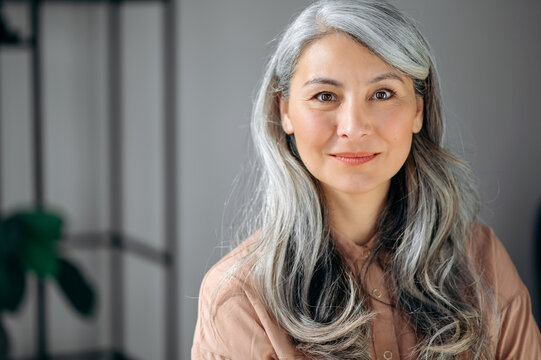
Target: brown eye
x=325 y=97
x=382 y=95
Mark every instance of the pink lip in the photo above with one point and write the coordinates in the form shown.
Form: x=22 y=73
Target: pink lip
x=357 y=158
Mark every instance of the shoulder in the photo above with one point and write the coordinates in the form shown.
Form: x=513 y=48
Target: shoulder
x=232 y=322
x=517 y=332
x=228 y=281
x=494 y=265
x=232 y=265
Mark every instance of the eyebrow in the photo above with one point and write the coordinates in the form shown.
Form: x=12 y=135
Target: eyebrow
x=385 y=76
x=378 y=78
x=323 y=80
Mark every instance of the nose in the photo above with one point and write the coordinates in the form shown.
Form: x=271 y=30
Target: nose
x=353 y=120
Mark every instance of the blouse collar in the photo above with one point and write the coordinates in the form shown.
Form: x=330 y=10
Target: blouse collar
x=354 y=254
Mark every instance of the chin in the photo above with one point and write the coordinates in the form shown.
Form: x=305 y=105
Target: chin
x=356 y=187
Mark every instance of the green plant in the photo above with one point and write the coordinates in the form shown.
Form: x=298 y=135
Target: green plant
x=28 y=243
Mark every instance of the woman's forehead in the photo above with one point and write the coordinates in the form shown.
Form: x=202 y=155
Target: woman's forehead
x=339 y=57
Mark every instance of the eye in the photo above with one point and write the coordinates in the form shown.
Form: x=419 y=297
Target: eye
x=325 y=97
x=383 y=94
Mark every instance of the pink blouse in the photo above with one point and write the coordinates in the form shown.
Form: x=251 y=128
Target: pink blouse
x=234 y=324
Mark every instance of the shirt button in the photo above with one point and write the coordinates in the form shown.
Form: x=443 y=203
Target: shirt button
x=365 y=253
x=377 y=293
x=388 y=355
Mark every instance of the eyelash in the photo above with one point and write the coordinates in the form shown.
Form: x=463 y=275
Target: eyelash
x=318 y=97
x=390 y=93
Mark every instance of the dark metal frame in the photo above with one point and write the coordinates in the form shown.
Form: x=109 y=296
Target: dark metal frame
x=116 y=240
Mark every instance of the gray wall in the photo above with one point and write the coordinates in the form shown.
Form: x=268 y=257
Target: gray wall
x=487 y=55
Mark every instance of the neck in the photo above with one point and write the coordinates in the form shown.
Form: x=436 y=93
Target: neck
x=354 y=216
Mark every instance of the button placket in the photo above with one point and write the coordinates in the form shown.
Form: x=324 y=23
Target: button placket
x=384 y=337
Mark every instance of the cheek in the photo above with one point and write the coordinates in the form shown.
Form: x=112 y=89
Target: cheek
x=395 y=127
x=311 y=128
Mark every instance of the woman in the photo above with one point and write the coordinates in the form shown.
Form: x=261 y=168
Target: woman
x=367 y=245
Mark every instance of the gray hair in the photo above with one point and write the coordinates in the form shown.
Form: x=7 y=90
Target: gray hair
x=426 y=223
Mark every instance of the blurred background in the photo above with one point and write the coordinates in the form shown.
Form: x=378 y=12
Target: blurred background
x=131 y=119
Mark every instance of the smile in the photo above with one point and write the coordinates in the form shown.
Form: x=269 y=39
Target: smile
x=354 y=158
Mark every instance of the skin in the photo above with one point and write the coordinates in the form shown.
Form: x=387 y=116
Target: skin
x=345 y=99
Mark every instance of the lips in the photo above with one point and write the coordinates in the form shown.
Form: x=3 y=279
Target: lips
x=354 y=154
x=354 y=158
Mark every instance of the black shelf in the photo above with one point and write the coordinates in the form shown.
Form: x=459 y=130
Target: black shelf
x=23 y=45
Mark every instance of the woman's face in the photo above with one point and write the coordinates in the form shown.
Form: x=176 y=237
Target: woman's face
x=352 y=114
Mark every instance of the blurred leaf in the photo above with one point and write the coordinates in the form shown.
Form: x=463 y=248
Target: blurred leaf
x=36 y=233
x=11 y=238
x=41 y=258
x=12 y=285
x=76 y=288
x=40 y=226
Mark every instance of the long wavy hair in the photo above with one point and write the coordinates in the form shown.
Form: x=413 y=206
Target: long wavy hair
x=425 y=224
